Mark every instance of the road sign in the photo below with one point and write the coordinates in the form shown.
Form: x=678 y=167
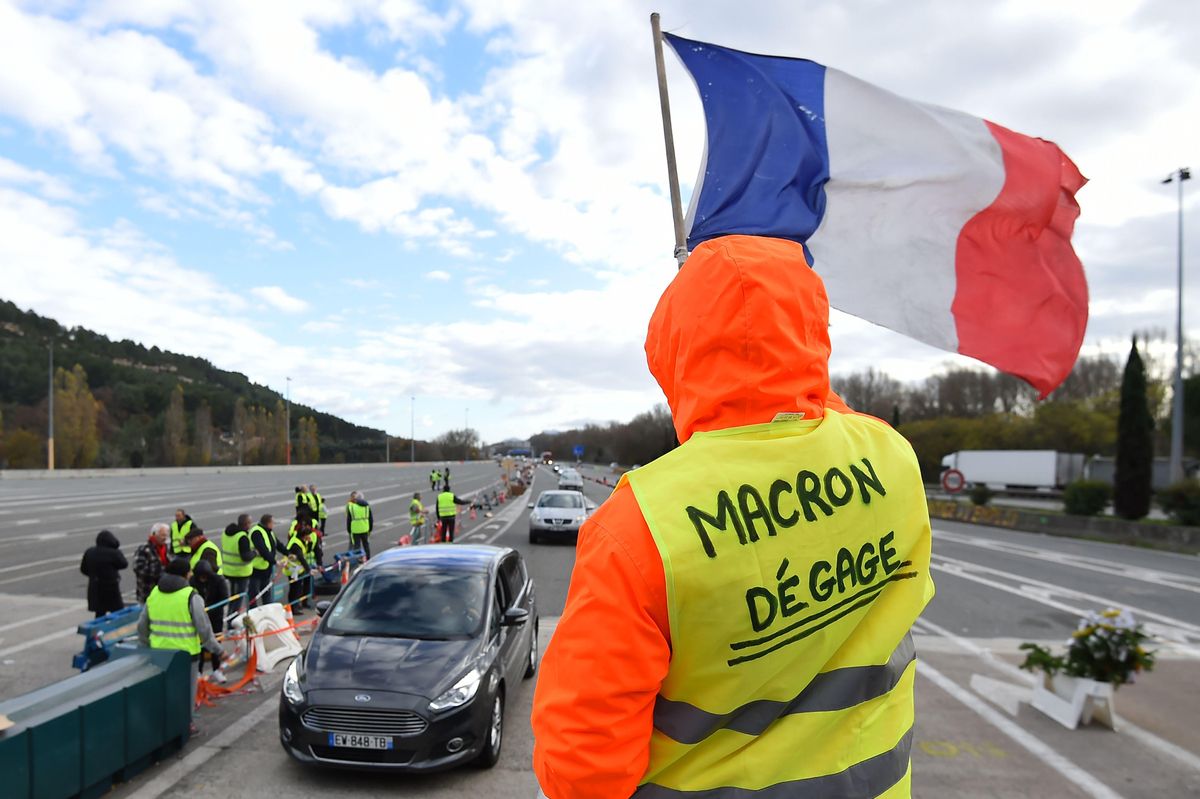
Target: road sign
x=953 y=480
x=578 y=450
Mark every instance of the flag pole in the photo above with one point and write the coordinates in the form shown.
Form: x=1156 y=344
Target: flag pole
x=669 y=137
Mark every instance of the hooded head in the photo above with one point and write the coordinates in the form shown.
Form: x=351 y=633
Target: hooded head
x=740 y=335
x=105 y=538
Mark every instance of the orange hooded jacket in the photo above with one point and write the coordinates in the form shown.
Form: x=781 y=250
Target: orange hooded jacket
x=739 y=336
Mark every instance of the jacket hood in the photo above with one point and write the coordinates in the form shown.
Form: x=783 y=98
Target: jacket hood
x=362 y=501
x=106 y=539
x=740 y=335
x=170 y=583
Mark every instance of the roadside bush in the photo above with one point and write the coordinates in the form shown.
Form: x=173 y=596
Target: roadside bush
x=1181 y=501
x=1086 y=497
x=981 y=494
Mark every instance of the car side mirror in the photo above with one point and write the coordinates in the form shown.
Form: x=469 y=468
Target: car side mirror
x=590 y=505
x=514 y=617
x=323 y=606
x=530 y=506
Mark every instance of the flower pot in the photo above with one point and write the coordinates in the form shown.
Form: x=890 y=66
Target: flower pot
x=1072 y=701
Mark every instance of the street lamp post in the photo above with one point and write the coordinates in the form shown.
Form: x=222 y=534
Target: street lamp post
x=50 y=432
x=466 y=434
x=1176 y=465
x=412 y=430
x=288 y=419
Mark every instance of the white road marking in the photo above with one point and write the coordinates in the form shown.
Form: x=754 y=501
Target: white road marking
x=24 y=522
x=1157 y=577
x=33 y=619
x=1035 y=746
x=1127 y=727
x=37 y=642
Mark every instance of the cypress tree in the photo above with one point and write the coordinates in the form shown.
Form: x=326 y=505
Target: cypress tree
x=1135 y=443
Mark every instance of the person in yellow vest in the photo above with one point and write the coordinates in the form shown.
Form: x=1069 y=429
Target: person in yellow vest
x=174 y=618
x=298 y=564
x=435 y=479
x=446 y=511
x=360 y=521
x=262 y=566
x=237 y=555
x=320 y=513
x=179 y=530
x=416 y=518
x=764 y=575
x=202 y=548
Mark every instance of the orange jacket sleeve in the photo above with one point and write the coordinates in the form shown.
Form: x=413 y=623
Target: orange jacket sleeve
x=593 y=708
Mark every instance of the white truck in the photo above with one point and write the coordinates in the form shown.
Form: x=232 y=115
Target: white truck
x=1040 y=469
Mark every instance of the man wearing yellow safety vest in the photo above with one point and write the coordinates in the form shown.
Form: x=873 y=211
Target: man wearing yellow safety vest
x=299 y=563
x=435 y=478
x=174 y=618
x=237 y=554
x=262 y=566
x=763 y=576
x=179 y=531
x=446 y=511
x=320 y=514
x=360 y=521
x=202 y=548
x=416 y=518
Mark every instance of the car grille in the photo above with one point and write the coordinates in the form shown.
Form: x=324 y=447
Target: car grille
x=365 y=721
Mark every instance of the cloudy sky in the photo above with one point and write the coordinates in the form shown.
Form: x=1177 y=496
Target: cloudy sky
x=465 y=201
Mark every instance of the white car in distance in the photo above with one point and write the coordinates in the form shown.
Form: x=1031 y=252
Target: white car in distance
x=558 y=514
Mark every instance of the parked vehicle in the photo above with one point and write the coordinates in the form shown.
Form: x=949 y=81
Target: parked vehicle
x=1042 y=469
x=410 y=666
x=558 y=514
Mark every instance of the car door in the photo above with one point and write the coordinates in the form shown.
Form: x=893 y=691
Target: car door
x=520 y=589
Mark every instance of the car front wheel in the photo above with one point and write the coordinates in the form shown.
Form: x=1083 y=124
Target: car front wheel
x=533 y=537
x=494 y=735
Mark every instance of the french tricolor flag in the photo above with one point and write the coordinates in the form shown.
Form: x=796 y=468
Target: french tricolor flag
x=934 y=223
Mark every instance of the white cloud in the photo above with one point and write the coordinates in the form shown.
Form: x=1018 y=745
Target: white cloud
x=49 y=186
x=278 y=298
x=438 y=274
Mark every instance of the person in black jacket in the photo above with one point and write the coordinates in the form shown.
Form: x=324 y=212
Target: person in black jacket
x=213 y=588
x=102 y=564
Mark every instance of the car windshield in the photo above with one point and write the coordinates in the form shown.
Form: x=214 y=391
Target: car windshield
x=417 y=603
x=561 y=501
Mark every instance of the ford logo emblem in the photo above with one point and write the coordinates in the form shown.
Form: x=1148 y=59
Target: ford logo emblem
x=362 y=698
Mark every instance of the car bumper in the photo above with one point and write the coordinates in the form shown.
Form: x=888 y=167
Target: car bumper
x=549 y=530
x=427 y=751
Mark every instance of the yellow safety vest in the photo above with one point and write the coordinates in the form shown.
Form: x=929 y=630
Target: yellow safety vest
x=259 y=563
x=171 y=624
x=320 y=507
x=415 y=511
x=178 y=533
x=359 y=521
x=445 y=504
x=796 y=557
x=199 y=553
x=231 y=556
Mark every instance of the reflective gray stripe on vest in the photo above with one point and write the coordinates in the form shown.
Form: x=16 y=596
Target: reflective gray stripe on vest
x=159 y=623
x=185 y=636
x=865 y=780
x=831 y=690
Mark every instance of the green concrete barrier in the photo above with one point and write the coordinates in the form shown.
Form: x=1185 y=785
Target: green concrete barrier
x=76 y=737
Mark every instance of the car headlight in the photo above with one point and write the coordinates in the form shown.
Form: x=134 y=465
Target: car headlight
x=463 y=691
x=580 y=519
x=291 y=683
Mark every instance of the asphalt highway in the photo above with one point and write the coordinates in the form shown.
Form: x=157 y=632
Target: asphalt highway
x=974 y=735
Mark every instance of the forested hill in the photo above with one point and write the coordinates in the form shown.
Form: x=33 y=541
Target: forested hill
x=149 y=406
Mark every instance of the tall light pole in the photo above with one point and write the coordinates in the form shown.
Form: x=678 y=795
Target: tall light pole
x=1176 y=466
x=412 y=430
x=287 y=417
x=50 y=432
x=466 y=434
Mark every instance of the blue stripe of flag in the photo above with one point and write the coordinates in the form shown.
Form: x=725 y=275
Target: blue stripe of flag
x=768 y=160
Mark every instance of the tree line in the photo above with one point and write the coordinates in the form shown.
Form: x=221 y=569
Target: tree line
x=958 y=408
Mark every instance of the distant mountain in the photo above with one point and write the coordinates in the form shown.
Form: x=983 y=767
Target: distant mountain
x=134 y=386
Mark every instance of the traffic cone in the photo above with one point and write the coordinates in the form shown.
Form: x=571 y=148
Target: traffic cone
x=345 y=572
x=472 y=513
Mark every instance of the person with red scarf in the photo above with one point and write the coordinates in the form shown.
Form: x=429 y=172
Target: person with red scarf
x=149 y=560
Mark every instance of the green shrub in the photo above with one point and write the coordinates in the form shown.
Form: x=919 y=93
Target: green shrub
x=981 y=494
x=1086 y=497
x=1181 y=501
